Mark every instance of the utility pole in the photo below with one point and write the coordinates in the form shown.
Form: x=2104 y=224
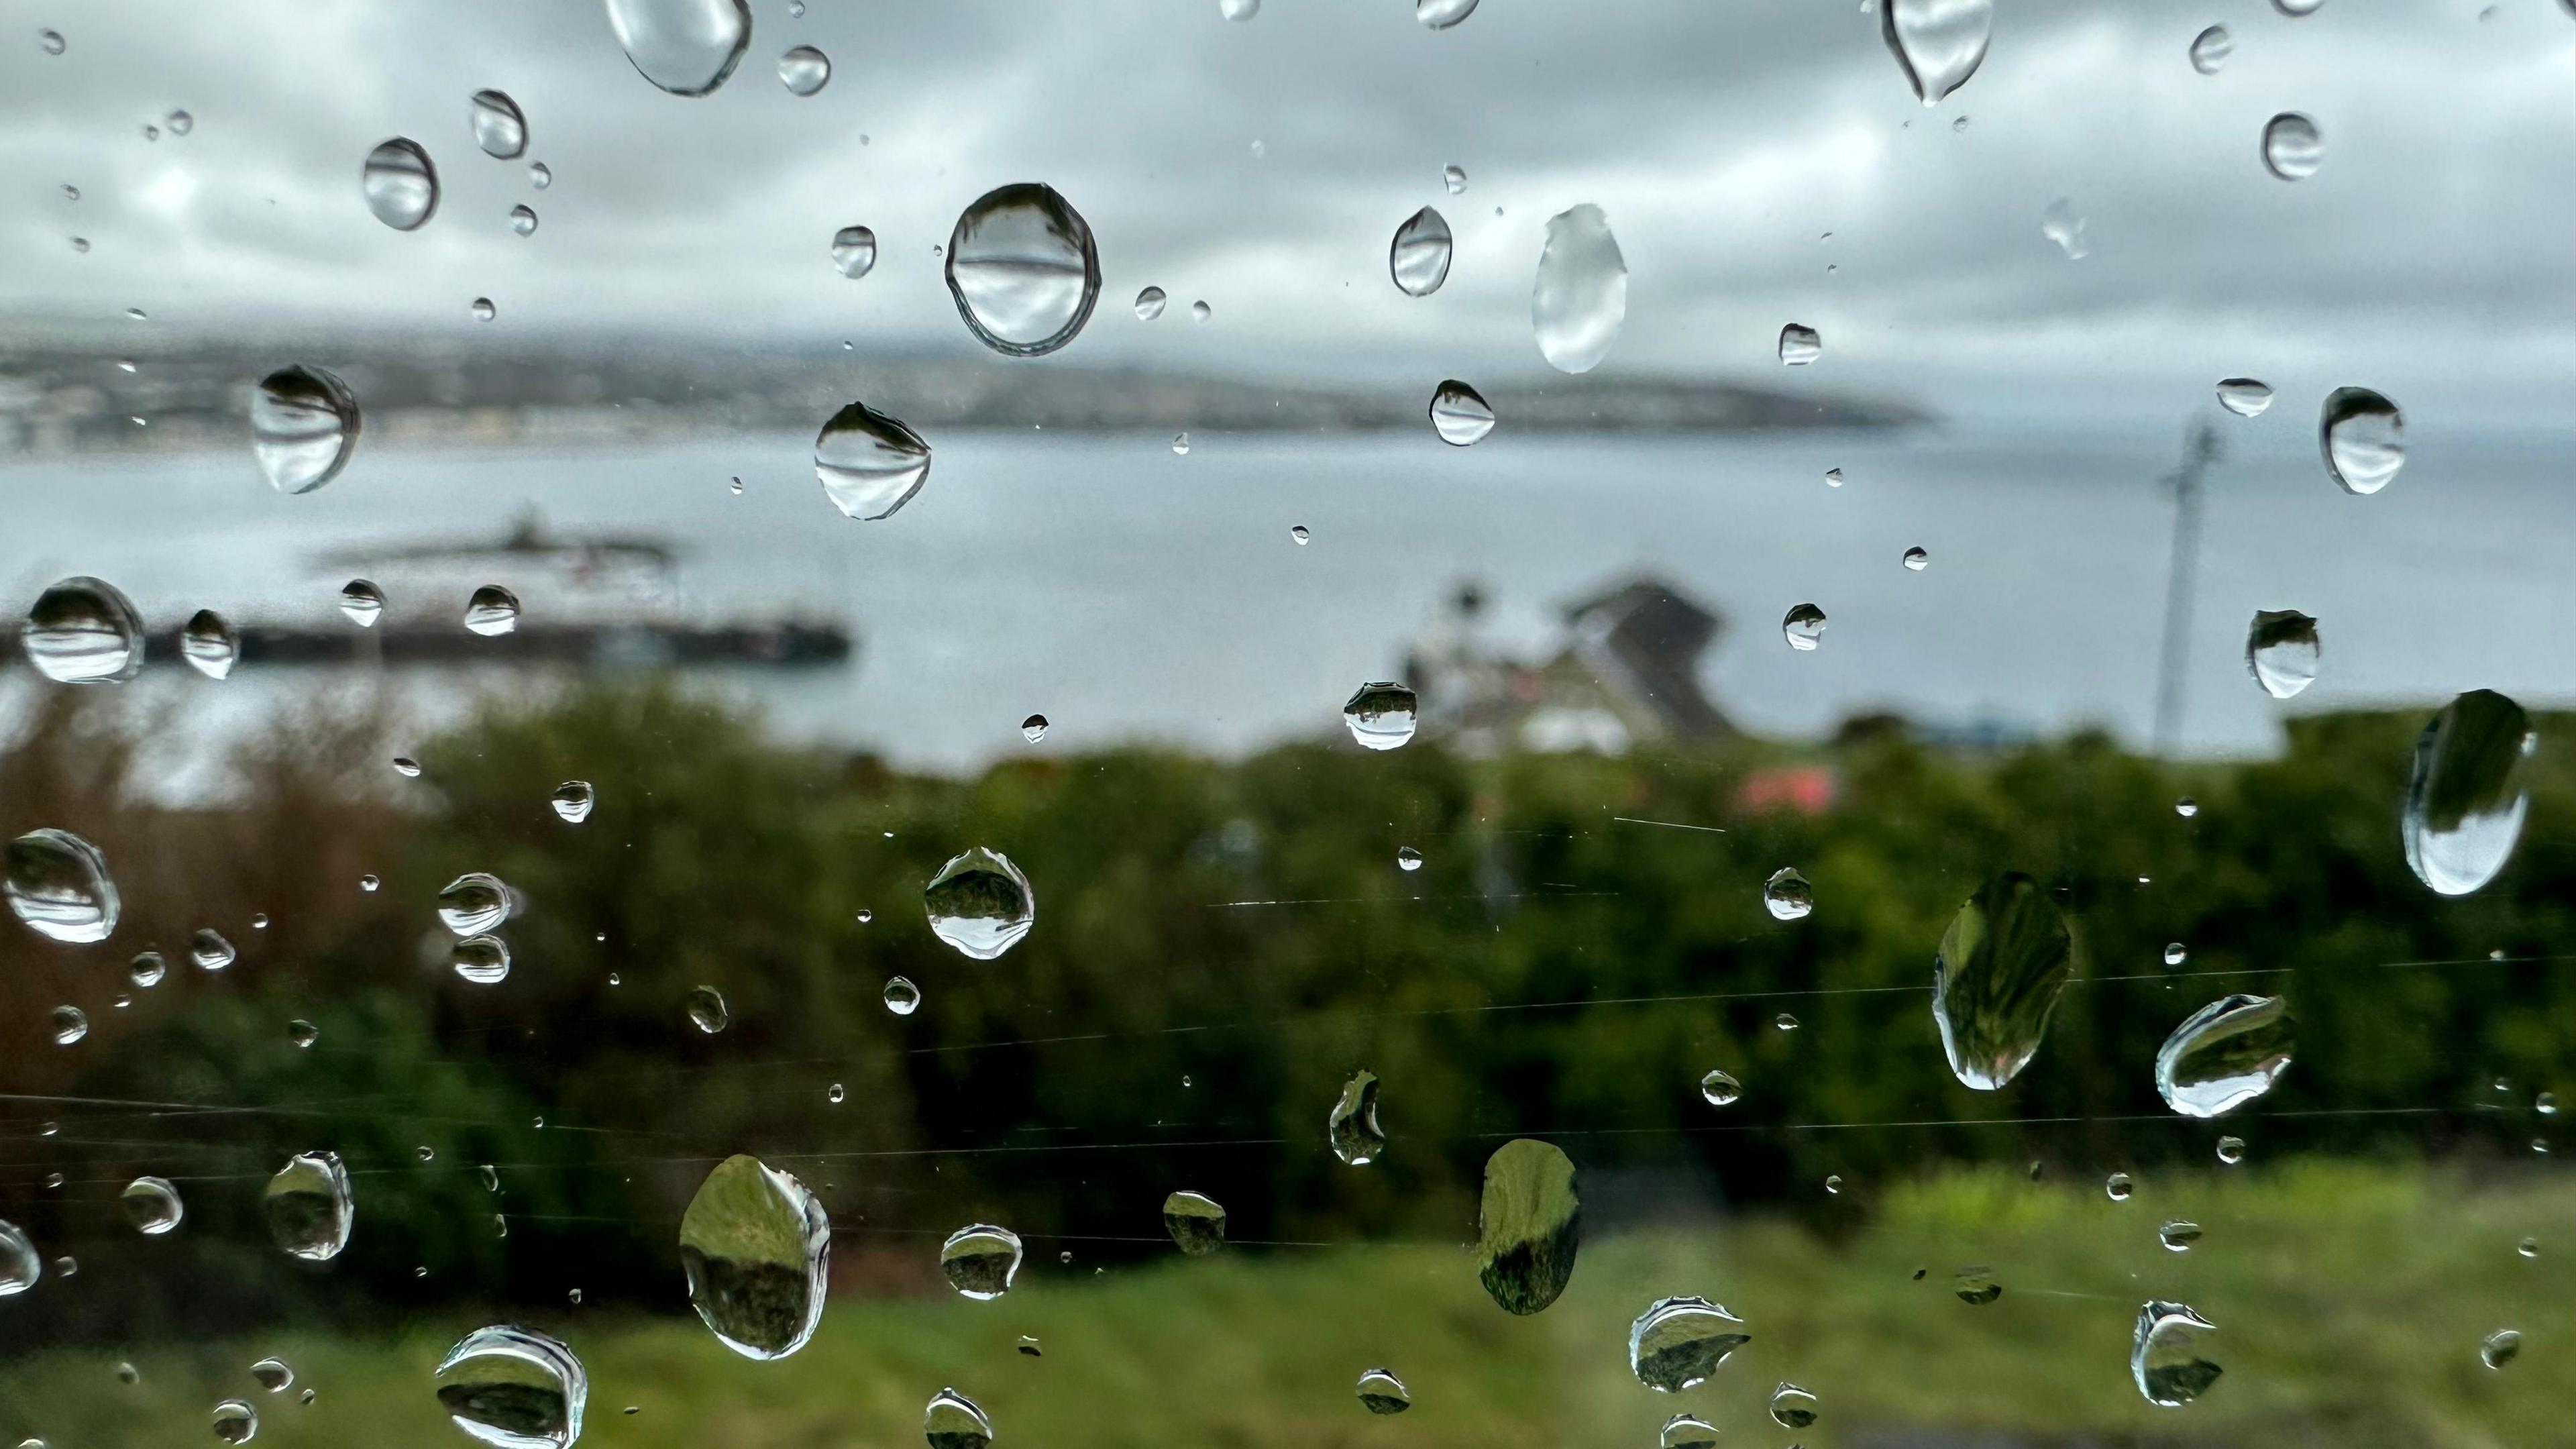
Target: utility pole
x=2199 y=451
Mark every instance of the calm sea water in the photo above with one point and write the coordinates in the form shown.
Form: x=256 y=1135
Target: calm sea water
x=1128 y=592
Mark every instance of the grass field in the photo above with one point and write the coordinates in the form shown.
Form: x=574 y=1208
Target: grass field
x=2350 y=1302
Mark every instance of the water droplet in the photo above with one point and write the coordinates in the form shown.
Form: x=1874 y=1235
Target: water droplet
x=1299 y=533
x=1918 y=559
x=1381 y=1392
x=80 y=244
x=1792 y=1407
x=147 y=969
x=1029 y=1346
x=1454 y=178
x=2244 y=396
x=2231 y=1150
x=483 y=960
x=980 y=904
x=1976 y=1287
x=1460 y=414
x=540 y=175
x=980 y=1260
x=303 y=426
x=1023 y=269
x=573 y=801
x=686 y=47
x=2467 y=798
x=707 y=1010
x=2546 y=1104
x=1678 y=1342
x=209 y=950
x=2500 y=1348
x=1150 y=303
x=2224 y=1055
x=870 y=465
x=756 y=1245
x=954 y=1421
x=58 y=885
x=854 y=251
x=2164 y=1355
x=126 y=1373
x=362 y=603
x=302 y=1033
x=2060 y=224
x=2178 y=1235
x=513 y=1388
x=474 y=903
x=2282 y=651
x=2118 y=1186
x=236 y=1422
x=804 y=70
x=2528 y=1247
x=1687 y=1431
x=273 y=1375
x=1195 y=1221
x=152 y=1205
x=308 y=1207
x=51 y=41
x=1201 y=311
x=1939 y=43
x=70 y=1025
x=901 y=996
x=1580 y=300
x=1786 y=895
x=1408 y=859
x=1529 y=1224
x=1352 y=1126
x=1034 y=728
x=1720 y=1089
x=2001 y=964
x=1418 y=258
x=2296 y=8
x=2211 y=48
x=2186 y=807
x=83 y=631
x=209 y=644
x=492 y=611
x=1381 y=716
x=499 y=126
x=2364 y=437
x=1784 y=1022
x=400 y=184
x=2292 y=148
x=1181 y=444
x=1800 y=345
x=179 y=122
x=1803 y=626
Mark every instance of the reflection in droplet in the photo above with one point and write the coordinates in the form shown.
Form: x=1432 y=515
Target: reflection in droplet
x=2178 y=1235
x=83 y=631
x=1454 y=178
x=540 y=175
x=513 y=1388
x=2364 y=437
x=804 y=70
x=399 y=184
x=2211 y=48
x=756 y=1243
x=1580 y=300
x=474 y=903
x=147 y=968
x=980 y=1260
x=1939 y=43
x=303 y=427
x=2164 y=1355
x=2292 y=146
x=2001 y=965
x=707 y=1009
x=1678 y=1342
x=50 y=41
x=2231 y=1150
x=1150 y=303
x=236 y=1422
x=2282 y=651
x=1381 y=1392
x=1418 y=258
x=2224 y=1055
x=1787 y=895
x=870 y=465
x=1441 y=14
x=1034 y=728
x=273 y=1374
x=1720 y=1089
x=152 y=1205
x=70 y=1025
x=1200 y=311
x=1352 y=1126
x=1529 y=1224
x=2118 y=1186
x=492 y=611
x=2500 y=1348
x=1803 y=626
x=362 y=603
x=1800 y=345
x=499 y=126
x=954 y=1421
x=1408 y=859
x=901 y=996
x=209 y=644
x=980 y=903
x=1195 y=1221
x=307 y=1206
x=58 y=885
x=1460 y=414
x=573 y=801
x=854 y=251
x=1381 y=716
x=2467 y=798
x=483 y=960
x=2244 y=396
x=2060 y=224
x=1687 y=1431
x=1023 y=270
x=686 y=47
x=1792 y=1407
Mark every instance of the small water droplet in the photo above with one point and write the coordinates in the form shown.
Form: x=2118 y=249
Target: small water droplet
x=2176 y=953
x=1918 y=559
x=1720 y=1089
x=303 y=426
x=1381 y=716
x=492 y=611
x=1034 y=728
x=804 y=70
x=273 y=1374
x=302 y=1033
x=499 y=126
x=1195 y=1221
x=1381 y=1392
x=1784 y=1022
x=1800 y=345
x=2244 y=396
x=1023 y=270
x=1687 y=1431
x=236 y=1422
x=483 y=309
x=2186 y=807
x=483 y=960
x=1787 y=895
x=540 y=175
x=1803 y=627
x=58 y=885
x=2060 y=224
x=2528 y=1247
x=1352 y=1126
x=1460 y=414
x=399 y=184
x=209 y=644
x=1792 y=1407
x=1408 y=859
x=1976 y=1287
x=209 y=950
x=2363 y=435
x=685 y=47
x=51 y=41
x=1678 y=1342
x=513 y=1388
x=1298 y=532
x=2178 y=1235
x=980 y=903
x=1418 y=258
x=901 y=996
x=474 y=903
x=1150 y=303
x=126 y=1373
x=2500 y=1348
x=2164 y=1356
x=2231 y=1150
x=707 y=1011
x=147 y=969
x=523 y=219
x=308 y=1207
x=573 y=801
x=952 y=1420
x=362 y=603
x=2224 y=1055
x=1996 y=978
x=1201 y=311
x=2292 y=146
x=2118 y=1186
x=2546 y=1104
x=1454 y=178
x=980 y=1260
x=19 y=1265
x=80 y=244
x=1580 y=299
x=2469 y=792
x=854 y=251
x=2211 y=48
x=2282 y=651
x=1833 y=1184
x=1030 y=1347
x=869 y=464
x=1938 y=43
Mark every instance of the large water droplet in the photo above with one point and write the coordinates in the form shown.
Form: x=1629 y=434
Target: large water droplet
x=492 y=612
x=2282 y=651
x=1381 y=1392
x=152 y=1205
x=1460 y=414
x=1441 y=14
x=513 y=1388
x=980 y=904
x=1803 y=626
x=1787 y=896
x=804 y=70
x=954 y=1421
x=308 y=1207
x=1580 y=300
x=303 y=427
x=980 y=1260
x=2466 y=801
x=399 y=183
x=1195 y=1221
x=235 y=1422
x=2211 y=48
x=2164 y=1356
x=1418 y=258
x=499 y=126
x=870 y=465
x=70 y=1025
x=756 y=1245
x=1792 y=1407
x=901 y=996
x=1150 y=303
x=573 y=801
x=1023 y=269
x=362 y=603
x=854 y=251
x=2244 y=396
x=2292 y=146
x=2364 y=437
x=2002 y=963
x=83 y=631
x=2224 y=1055
x=1528 y=1225
x=1720 y=1089
x=273 y=1374
x=1352 y=1127
x=1800 y=345
x=1940 y=43
x=686 y=47
x=1381 y=716
x=482 y=960
x=2500 y=1348
x=707 y=1009
x=2060 y=224
x=474 y=903
x=58 y=884
x=1678 y=1342
x=1687 y=1431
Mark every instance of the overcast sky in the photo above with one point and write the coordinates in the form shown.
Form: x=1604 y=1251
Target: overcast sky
x=2428 y=257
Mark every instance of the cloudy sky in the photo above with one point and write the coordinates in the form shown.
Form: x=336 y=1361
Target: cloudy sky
x=1263 y=166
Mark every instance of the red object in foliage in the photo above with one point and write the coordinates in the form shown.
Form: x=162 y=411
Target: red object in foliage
x=1807 y=789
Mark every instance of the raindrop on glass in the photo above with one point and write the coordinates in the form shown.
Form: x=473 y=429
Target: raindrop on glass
x=901 y=996
x=1720 y=1089
x=2060 y=224
x=2231 y=1150
x=756 y=1243
x=209 y=644
x=540 y=175
x=1460 y=414
x=1381 y=716
x=1023 y=270
x=1939 y=43
x=980 y=1260
x=1803 y=626
x=302 y=1033
x=2224 y=1055
x=1687 y=1431
x=482 y=960
x=58 y=885
x=147 y=969
x=209 y=950
x=2468 y=795
x=152 y=1205
x=2178 y=1235
x=70 y=1025
x=2282 y=651
x=19 y=1265
x=2164 y=1355
x=1792 y=1407
x=2499 y=1348
x=308 y=1208
x=273 y=1374
x=2364 y=438
x=513 y=1388
x=2292 y=146
x=492 y=611
x=686 y=47
x=804 y=70
x=854 y=251
x=1352 y=1126
x=1787 y=896
x=1580 y=299
x=573 y=801
x=474 y=903
x=2244 y=396
x=1195 y=1221
x=1408 y=859
x=1454 y=178
x=952 y=1420
x=1918 y=559
x=399 y=184
x=499 y=127
x=303 y=427
x=1800 y=345
x=1678 y=1342
x=1996 y=977
x=236 y=1422
x=83 y=631
x=1201 y=311
x=51 y=41
x=1529 y=1224
x=1034 y=728
x=2211 y=48
x=980 y=903
x=2118 y=1186
x=1238 y=9
x=870 y=465
x=1381 y=1392
x=1150 y=303
x=1418 y=258
x=707 y=1010
x=362 y=603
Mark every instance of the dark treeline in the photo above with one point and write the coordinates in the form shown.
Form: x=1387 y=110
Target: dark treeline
x=1217 y=947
